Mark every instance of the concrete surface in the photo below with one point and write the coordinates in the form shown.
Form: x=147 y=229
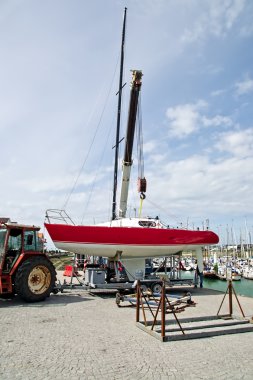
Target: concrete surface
x=76 y=335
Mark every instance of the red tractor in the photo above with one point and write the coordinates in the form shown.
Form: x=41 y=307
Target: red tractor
x=24 y=267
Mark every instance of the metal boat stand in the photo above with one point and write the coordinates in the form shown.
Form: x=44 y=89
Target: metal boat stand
x=162 y=305
x=186 y=328
x=230 y=290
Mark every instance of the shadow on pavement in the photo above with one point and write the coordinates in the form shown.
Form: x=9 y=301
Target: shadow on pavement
x=68 y=297
x=175 y=290
x=61 y=299
x=194 y=291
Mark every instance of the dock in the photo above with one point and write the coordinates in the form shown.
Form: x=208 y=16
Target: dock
x=82 y=335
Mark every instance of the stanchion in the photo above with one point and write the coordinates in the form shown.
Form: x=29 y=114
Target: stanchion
x=163 y=308
x=138 y=291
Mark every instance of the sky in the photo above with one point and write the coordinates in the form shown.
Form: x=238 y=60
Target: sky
x=59 y=73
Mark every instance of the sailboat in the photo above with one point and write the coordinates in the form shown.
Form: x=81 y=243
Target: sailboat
x=128 y=240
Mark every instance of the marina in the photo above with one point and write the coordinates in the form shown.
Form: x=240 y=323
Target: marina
x=126 y=225
x=243 y=287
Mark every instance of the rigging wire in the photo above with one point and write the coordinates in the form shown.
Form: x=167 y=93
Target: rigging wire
x=97 y=171
x=164 y=211
x=94 y=136
x=102 y=156
x=79 y=173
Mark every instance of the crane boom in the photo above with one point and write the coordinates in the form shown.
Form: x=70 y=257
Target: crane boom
x=127 y=160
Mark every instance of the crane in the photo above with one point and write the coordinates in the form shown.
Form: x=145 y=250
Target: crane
x=127 y=159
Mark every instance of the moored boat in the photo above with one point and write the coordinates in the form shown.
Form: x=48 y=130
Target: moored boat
x=248 y=273
x=210 y=273
x=233 y=274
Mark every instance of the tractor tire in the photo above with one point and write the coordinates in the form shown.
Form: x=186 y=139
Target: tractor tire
x=35 y=279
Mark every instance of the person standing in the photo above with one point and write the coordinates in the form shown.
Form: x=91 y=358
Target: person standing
x=198 y=278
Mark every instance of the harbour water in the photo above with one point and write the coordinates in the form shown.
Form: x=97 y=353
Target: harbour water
x=243 y=287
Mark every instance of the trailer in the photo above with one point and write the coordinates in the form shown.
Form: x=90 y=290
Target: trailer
x=100 y=278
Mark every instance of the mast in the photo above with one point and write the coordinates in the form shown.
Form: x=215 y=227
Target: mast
x=118 y=119
x=127 y=161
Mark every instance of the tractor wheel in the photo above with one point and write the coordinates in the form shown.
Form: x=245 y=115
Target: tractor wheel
x=35 y=279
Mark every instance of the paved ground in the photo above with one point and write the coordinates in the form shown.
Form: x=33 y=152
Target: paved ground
x=80 y=336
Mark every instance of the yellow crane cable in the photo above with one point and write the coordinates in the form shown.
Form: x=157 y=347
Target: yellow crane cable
x=142 y=197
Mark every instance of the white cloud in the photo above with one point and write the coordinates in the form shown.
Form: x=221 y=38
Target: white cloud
x=216 y=18
x=244 y=87
x=199 y=187
x=218 y=92
x=184 y=119
x=213 y=69
x=149 y=146
x=246 y=30
x=238 y=143
x=232 y=12
x=158 y=158
x=217 y=121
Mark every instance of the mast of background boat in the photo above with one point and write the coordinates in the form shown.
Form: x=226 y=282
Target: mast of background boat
x=127 y=161
x=118 y=120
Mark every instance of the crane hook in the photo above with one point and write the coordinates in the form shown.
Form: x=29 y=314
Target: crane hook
x=142 y=196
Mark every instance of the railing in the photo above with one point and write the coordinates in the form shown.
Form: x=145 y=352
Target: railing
x=61 y=216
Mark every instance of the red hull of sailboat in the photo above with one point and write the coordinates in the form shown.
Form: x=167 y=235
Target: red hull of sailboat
x=106 y=241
